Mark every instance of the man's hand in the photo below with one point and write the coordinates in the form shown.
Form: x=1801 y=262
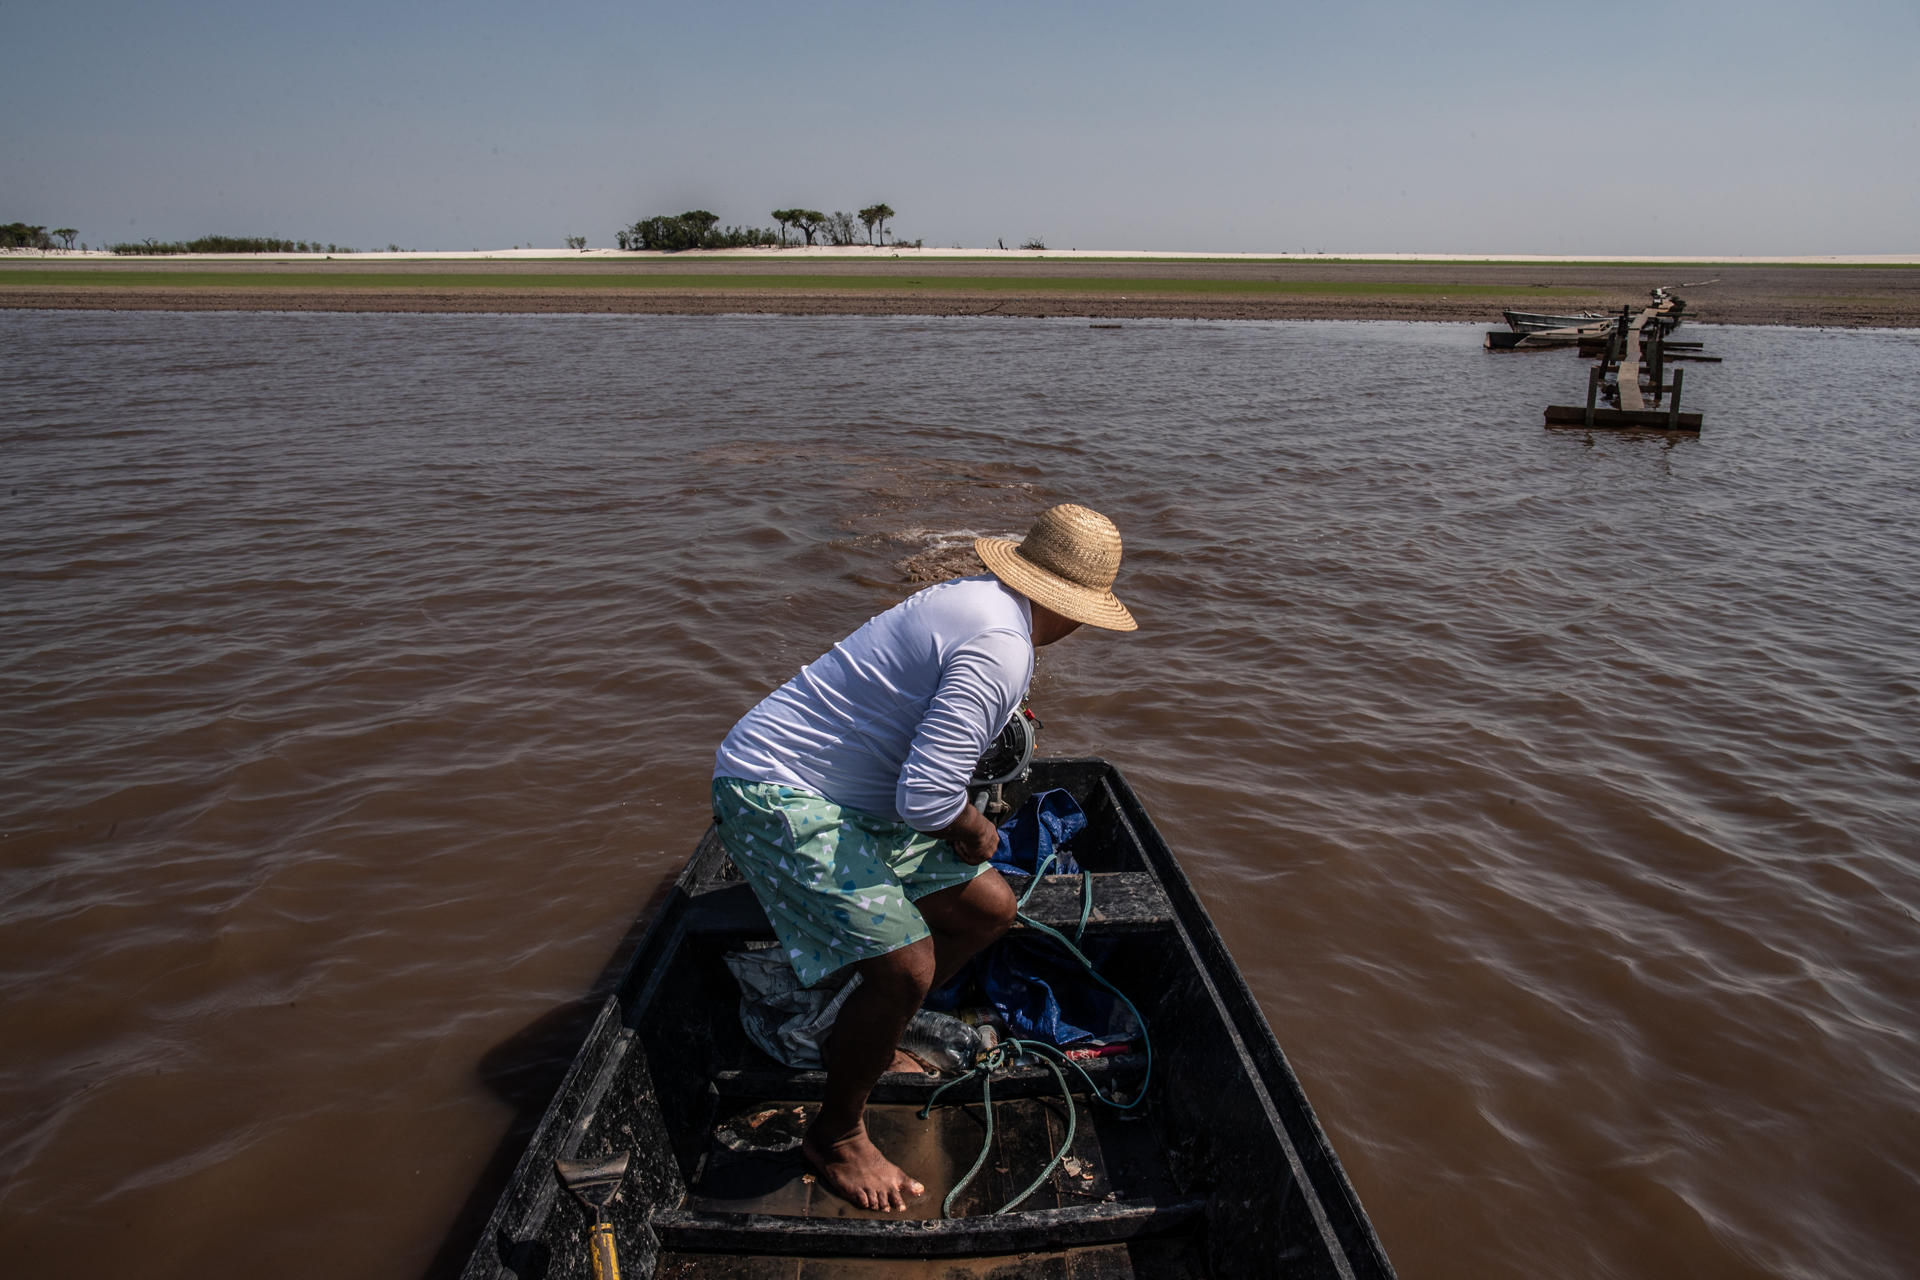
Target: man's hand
x=972 y=836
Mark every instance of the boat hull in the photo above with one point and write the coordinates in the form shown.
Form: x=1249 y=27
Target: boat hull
x=1667 y=315
x=1223 y=1170
x=1536 y=322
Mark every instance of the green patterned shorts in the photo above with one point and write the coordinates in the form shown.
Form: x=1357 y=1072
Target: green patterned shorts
x=838 y=884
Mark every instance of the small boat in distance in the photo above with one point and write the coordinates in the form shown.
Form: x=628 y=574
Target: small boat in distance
x=1535 y=322
x=1535 y=339
x=1213 y=1164
x=1667 y=309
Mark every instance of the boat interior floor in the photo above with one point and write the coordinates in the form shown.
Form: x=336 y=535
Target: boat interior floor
x=1117 y=1204
x=1112 y=1158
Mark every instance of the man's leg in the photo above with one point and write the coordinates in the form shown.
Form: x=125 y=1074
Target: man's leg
x=865 y=1034
x=965 y=919
x=962 y=919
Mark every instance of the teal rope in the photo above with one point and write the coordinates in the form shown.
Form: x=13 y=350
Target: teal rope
x=996 y=1059
x=1146 y=1040
x=1086 y=907
x=1086 y=912
x=1086 y=901
x=985 y=1069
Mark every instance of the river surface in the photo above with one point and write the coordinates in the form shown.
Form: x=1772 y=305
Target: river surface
x=360 y=677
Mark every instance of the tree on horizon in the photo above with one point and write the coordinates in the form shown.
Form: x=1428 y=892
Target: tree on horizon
x=840 y=226
x=694 y=229
x=24 y=235
x=876 y=215
x=809 y=221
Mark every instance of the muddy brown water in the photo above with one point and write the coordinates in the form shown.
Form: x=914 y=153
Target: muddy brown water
x=360 y=675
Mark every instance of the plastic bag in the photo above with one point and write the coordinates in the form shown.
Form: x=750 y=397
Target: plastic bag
x=786 y=1021
x=790 y=1023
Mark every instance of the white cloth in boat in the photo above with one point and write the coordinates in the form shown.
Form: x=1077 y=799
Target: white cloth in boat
x=892 y=719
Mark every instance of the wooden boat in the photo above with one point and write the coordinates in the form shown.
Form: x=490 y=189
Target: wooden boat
x=1668 y=310
x=1222 y=1170
x=1540 y=339
x=1535 y=322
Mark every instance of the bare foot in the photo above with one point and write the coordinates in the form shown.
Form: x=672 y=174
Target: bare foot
x=853 y=1169
x=904 y=1061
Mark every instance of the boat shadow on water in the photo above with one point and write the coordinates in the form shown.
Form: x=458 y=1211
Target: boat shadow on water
x=525 y=1071
x=1221 y=1170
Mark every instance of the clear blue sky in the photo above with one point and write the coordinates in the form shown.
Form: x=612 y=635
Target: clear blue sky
x=1699 y=127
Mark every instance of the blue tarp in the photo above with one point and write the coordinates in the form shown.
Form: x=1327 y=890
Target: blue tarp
x=1042 y=992
x=1048 y=820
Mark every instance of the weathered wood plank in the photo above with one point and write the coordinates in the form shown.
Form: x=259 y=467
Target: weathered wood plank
x=1631 y=401
x=1122 y=900
x=1045 y=1229
x=1573 y=415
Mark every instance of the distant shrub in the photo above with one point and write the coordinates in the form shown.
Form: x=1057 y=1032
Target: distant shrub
x=21 y=235
x=149 y=246
x=840 y=228
x=223 y=244
x=695 y=229
x=1035 y=243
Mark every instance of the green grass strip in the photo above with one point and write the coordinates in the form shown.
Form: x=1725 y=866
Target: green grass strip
x=411 y=282
x=907 y=259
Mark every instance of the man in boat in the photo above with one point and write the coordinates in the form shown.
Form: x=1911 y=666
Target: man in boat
x=842 y=798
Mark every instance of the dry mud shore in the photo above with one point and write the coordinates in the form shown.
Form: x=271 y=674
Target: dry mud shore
x=1843 y=296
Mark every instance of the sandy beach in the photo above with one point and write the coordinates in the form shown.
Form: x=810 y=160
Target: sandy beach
x=1844 y=292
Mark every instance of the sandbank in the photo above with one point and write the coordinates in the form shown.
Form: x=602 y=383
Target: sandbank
x=1859 y=290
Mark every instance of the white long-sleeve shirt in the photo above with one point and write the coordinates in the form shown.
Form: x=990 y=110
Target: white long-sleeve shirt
x=892 y=719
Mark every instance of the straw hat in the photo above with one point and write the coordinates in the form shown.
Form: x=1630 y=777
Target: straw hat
x=1067 y=563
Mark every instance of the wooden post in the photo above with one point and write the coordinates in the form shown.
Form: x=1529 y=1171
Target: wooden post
x=1673 y=409
x=1593 y=390
x=1659 y=365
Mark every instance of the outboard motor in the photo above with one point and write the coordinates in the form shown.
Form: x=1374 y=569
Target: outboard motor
x=1008 y=758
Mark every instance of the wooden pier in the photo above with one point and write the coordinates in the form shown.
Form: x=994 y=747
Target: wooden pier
x=1637 y=347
